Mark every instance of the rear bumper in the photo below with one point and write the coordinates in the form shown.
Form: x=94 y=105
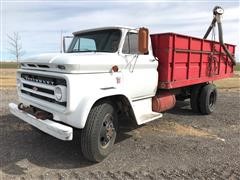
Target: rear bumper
x=55 y=129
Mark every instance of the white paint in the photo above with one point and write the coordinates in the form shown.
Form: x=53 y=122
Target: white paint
x=57 y=130
x=143 y=111
x=89 y=78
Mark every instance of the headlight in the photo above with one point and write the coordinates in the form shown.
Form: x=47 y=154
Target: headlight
x=60 y=93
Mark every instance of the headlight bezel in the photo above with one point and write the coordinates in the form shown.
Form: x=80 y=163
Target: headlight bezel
x=60 y=93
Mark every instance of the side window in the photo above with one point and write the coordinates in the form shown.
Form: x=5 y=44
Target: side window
x=130 y=45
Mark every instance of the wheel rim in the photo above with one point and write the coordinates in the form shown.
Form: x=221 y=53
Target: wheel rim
x=107 y=132
x=212 y=100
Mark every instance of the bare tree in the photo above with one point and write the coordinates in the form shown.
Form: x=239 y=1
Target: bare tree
x=16 y=46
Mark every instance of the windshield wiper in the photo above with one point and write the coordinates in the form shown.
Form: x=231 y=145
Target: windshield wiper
x=74 y=51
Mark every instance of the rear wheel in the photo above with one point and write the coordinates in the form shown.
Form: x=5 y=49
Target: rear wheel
x=99 y=133
x=194 y=100
x=208 y=99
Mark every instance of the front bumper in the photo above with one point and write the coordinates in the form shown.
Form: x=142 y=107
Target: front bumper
x=55 y=129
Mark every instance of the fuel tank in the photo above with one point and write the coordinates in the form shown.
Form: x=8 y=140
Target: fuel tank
x=163 y=101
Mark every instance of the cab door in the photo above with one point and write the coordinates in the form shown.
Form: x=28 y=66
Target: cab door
x=140 y=72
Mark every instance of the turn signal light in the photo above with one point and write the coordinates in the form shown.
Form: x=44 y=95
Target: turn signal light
x=115 y=68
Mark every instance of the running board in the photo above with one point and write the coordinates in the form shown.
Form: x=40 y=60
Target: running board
x=149 y=117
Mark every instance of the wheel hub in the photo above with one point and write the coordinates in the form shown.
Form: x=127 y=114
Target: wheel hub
x=212 y=100
x=107 y=131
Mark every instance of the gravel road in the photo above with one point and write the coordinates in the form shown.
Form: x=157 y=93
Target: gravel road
x=181 y=145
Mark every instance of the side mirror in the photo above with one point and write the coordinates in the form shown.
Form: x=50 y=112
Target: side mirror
x=64 y=42
x=143 y=40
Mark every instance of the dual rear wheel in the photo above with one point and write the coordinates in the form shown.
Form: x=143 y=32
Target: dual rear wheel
x=203 y=98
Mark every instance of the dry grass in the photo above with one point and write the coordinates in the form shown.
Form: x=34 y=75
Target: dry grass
x=183 y=130
x=229 y=83
x=174 y=128
x=8 y=65
x=8 y=78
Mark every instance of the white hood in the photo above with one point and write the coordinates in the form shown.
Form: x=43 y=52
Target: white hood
x=90 y=62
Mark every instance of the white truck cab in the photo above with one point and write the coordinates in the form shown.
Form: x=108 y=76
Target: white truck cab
x=104 y=73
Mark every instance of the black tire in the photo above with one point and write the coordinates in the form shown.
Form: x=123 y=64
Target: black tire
x=99 y=133
x=194 y=99
x=208 y=99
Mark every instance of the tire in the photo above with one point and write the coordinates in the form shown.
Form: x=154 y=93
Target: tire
x=99 y=133
x=208 y=99
x=194 y=99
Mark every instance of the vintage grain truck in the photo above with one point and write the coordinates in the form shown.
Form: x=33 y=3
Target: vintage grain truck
x=113 y=73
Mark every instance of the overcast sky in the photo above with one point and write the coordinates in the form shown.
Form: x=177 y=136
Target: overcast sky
x=40 y=22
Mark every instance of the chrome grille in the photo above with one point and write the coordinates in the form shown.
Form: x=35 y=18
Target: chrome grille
x=43 y=79
x=41 y=87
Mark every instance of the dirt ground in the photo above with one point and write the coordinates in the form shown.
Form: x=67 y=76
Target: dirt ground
x=181 y=145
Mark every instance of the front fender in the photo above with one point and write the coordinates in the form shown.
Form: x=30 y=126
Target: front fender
x=79 y=117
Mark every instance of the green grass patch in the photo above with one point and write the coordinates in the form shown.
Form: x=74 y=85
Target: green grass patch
x=8 y=65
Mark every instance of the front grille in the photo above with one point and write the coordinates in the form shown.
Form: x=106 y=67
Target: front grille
x=43 y=79
x=44 y=98
x=41 y=87
x=38 y=89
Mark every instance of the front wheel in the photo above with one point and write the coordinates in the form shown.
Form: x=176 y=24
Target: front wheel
x=99 y=133
x=208 y=99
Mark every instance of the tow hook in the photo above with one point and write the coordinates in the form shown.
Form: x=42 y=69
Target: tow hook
x=27 y=109
x=22 y=107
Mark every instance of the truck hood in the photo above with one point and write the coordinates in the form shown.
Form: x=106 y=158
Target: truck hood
x=89 y=62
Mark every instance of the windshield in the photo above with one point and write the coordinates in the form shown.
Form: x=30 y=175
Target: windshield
x=96 y=41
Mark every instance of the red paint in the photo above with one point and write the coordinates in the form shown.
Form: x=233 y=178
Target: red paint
x=163 y=102
x=185 y=60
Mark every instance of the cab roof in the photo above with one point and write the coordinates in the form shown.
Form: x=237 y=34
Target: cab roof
x=103 y=28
